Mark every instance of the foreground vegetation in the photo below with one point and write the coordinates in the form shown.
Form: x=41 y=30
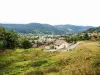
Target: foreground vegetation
x=9 y=39
x=83 y=60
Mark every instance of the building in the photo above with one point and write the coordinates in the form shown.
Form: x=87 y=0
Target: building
x=61 y=44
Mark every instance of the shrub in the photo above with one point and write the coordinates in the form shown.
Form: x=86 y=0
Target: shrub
x=39 y=63
x=26 y=44
x=36 y=72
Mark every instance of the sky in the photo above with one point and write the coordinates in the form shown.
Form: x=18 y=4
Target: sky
x=54 y=12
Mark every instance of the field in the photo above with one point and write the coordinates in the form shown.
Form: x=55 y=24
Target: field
x=83 y=60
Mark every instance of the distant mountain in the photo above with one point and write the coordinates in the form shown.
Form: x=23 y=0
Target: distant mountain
x=95 y=29
x=72 y=28
x=37 y=28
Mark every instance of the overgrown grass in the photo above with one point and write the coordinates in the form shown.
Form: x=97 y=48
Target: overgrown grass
x=83 y=60
x=96 y=64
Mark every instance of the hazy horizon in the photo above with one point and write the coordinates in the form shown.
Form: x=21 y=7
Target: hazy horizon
x=53 y=12
x=49 y=24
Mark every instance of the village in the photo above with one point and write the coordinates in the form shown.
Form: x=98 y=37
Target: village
x=58 y=42
x=50 y=42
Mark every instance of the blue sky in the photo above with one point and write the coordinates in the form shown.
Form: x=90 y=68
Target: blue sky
x=77 y=12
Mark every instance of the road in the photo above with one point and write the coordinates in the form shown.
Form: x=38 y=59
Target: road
x=73 y=46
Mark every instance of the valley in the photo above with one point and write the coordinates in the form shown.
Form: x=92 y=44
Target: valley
x=49 y=37
x=49 y=54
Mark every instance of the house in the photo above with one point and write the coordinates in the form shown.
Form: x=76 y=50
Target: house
x=47 y=47
x=61 y=44
x=34 y=46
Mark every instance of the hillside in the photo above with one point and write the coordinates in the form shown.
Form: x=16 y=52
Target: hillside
x=72 y=28
x=95 y=29
x=83 y=60
x=37 y=28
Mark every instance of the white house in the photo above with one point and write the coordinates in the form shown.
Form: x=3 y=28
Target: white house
x=61 y=44
x=47 y=47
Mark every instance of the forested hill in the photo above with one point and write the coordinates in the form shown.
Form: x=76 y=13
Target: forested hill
x=37 y=28
x=72 y=28
x=95 y=29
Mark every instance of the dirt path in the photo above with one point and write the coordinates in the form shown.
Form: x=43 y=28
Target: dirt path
x=73 y=46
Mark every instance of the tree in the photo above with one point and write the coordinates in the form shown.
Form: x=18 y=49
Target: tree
x=26 y=44
x=2 y=37
x=8 y=39
x=11 y=39
x=86 y=36
x=2 y=33
x=68 y=39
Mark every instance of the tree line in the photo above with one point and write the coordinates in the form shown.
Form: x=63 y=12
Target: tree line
x=77 y=37
x=9 y=39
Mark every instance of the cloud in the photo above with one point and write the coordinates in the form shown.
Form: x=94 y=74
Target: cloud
x=78 y=12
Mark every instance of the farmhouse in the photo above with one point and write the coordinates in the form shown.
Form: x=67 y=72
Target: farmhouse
x=61 y=44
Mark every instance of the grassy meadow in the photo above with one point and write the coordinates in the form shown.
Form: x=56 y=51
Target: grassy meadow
x=83 y=60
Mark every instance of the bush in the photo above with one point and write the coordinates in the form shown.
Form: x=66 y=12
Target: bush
x=39 y=63
x=36 y=72
x=26 y=44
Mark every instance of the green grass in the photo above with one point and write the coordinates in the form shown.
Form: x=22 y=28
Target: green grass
x=83 y=60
